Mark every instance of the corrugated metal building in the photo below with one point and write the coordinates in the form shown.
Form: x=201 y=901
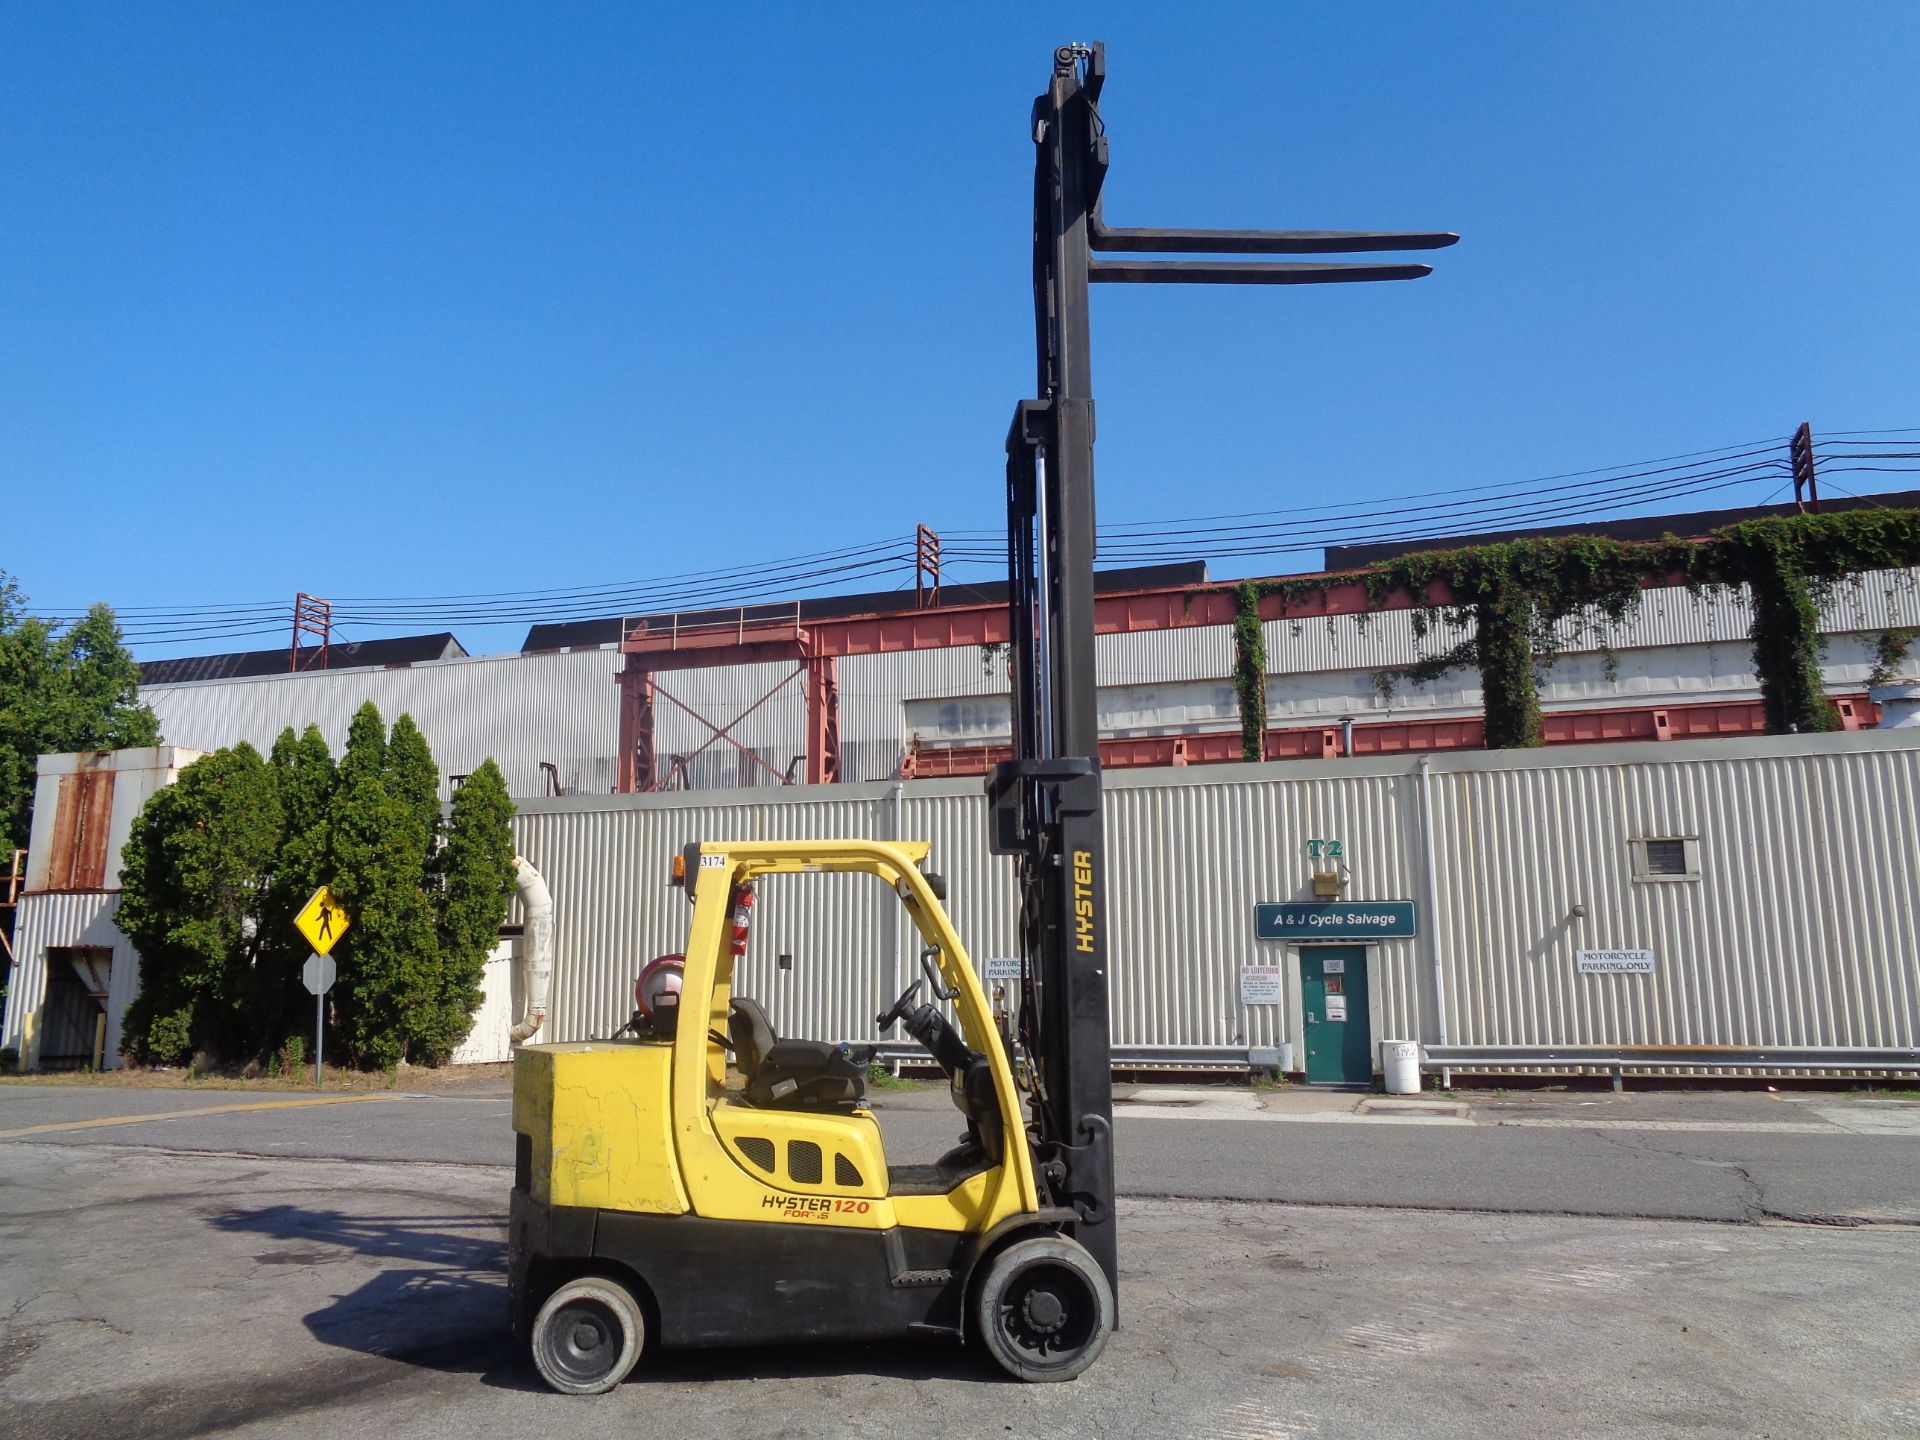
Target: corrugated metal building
x=1770 y=884
x=560 y=708
x=75 y=973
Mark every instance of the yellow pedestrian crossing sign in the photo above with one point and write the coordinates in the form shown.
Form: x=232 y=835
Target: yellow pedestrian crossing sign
x=323 y=922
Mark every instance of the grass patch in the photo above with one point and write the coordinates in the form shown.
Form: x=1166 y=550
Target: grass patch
x=881 y=1078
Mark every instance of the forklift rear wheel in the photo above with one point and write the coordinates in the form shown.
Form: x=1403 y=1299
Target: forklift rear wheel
x=1044 y=1308
x=588 y=1336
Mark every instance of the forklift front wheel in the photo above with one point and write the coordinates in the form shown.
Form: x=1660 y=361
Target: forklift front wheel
x=1044 y=1308
x=588 y=1336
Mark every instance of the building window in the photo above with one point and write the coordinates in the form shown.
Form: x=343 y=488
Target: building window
x=1666 y=857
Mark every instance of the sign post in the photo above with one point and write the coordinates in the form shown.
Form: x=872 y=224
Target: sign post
x=319 y=973
x=322 y=922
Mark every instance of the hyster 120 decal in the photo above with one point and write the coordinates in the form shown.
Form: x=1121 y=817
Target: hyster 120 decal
x=813 y=1207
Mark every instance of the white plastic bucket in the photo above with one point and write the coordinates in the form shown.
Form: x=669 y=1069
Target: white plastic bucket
x=1400 y=1061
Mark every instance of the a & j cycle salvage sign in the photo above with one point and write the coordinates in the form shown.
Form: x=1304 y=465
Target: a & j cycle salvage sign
x=1335 y=920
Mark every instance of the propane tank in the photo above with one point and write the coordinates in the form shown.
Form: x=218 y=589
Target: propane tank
x=659 y=984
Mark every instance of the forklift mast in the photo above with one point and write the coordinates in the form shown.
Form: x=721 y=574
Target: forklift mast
x=1045 y=802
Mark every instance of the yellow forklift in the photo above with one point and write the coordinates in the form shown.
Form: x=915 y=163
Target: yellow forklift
x=653 y=1201
x=705 y=1181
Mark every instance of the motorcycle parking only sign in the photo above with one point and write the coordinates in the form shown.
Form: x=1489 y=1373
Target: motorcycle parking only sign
x=1613 y=962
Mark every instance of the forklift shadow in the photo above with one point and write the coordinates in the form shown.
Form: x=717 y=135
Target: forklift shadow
x=906 y=1359
x=444 y=1307
x=440 y=1305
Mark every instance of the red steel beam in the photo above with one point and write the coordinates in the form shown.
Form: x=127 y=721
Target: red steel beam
x=654 y=646
x=636 y=766
x=650 y=651
x=720 y=732
x=1399 y=737
x=951 y=626
x=1173 y=607
x=823 y=720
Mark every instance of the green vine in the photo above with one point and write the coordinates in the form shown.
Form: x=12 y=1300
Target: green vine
x=1250 y=668
x=1517 y=604
x=1890 y=648
x=1785 y=632
x=1790 y=564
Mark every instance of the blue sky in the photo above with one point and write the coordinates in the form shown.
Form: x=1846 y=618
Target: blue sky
x=427 y=299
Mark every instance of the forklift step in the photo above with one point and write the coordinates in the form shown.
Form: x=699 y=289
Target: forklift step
x=913 y=1279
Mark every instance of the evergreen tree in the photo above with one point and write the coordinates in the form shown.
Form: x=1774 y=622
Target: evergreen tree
x=366 y=752
x=195 y=868
x=303 y=777
x=475 y=871
x=218 y=865
x=389 y=959
x=415 y=780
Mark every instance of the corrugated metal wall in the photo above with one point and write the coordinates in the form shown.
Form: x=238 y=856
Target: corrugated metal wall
x=519 y=709
x=563 y=707
x=80 y=918
x=1875 y=601
x=1798 y=930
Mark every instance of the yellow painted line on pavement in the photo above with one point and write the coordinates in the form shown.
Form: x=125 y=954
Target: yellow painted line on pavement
x=185 y=1114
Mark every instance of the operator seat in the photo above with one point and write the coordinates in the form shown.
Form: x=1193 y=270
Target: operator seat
x=794 y=1074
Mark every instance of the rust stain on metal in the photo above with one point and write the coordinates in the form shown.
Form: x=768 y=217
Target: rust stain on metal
x=82 y=815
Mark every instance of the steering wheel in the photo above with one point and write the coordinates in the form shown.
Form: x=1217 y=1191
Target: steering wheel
x=900 y=1008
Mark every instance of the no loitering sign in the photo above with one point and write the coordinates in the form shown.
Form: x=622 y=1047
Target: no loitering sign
x=1262 y=984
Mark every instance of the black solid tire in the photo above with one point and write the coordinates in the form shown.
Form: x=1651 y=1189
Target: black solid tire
x=1043 y=1308
x=588 y=1336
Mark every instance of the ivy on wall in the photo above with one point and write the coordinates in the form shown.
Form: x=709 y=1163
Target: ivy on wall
x=1890 y=649
x=1250 y=669
x=1515 y=605
x=1790 y=564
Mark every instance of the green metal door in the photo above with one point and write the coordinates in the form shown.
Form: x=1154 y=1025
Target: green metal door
x=1333 y=1000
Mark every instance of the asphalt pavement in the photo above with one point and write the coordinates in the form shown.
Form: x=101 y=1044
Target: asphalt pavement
x=154 y=1294
x=1733 y=1155
x=1296 y=1264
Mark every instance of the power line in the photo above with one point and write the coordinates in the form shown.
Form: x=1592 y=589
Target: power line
x=1566 y=497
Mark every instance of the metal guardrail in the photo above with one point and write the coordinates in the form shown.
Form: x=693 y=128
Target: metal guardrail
x=1619 y=1059
x=1768 y=1057
x=1146 y=1057
x=1616 y=1059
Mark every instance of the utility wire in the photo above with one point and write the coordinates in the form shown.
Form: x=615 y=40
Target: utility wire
x=1463 y=510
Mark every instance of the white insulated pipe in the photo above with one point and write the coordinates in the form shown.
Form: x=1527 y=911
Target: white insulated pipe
x=1425 y=772
x=536 y=948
